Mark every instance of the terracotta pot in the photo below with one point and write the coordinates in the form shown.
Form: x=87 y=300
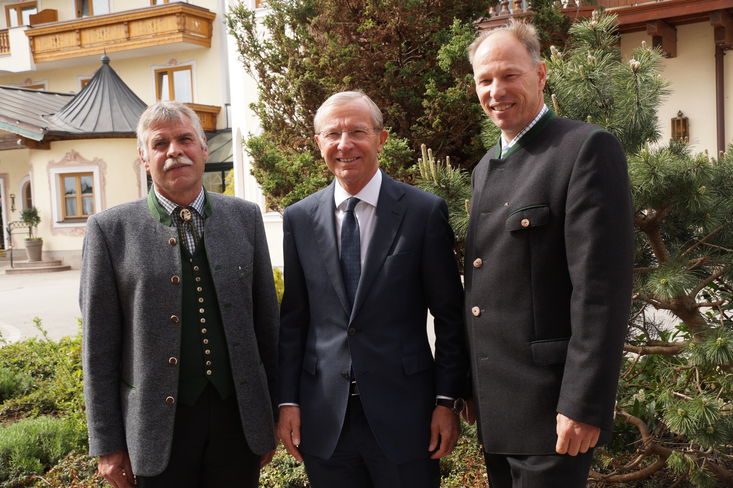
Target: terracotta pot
x=33 y=247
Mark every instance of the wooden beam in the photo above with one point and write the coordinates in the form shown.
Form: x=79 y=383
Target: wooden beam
x=663 y=36
x=722 y=23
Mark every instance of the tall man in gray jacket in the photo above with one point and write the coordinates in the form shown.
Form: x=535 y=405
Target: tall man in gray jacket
x=548 y=274
x=180 y=324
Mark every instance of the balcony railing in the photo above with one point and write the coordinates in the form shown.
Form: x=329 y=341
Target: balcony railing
x=4 y=42
x=132 y=29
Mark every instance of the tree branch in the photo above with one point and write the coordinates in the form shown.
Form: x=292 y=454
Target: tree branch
x=668 y=350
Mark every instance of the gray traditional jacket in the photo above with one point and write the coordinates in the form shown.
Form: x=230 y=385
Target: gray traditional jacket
x=131 y=303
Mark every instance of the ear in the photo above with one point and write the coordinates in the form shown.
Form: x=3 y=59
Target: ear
x=542 y=74
x=382 y=139
x=319 y=142
x=141 y=154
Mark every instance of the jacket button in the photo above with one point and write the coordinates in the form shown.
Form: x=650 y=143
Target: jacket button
x=208 y=372
x=524 y=223
x=172 y=361
x=170 y=400
x=196 y=268
x=351 y=331
x=207 y=351
x=476 y=311
x=172 y=241
x=478 y=262
x=175 y=319
x=175 y=279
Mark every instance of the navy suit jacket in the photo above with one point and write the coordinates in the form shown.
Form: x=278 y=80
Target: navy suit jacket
x=410 y=267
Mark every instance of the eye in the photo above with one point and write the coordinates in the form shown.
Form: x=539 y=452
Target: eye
x=359 y=133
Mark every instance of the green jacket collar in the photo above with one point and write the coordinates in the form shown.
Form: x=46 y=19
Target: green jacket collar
x=531 y=134
x=159 y=213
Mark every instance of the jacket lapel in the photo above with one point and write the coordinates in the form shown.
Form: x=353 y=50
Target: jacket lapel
x=389 y=215
x=325 y=233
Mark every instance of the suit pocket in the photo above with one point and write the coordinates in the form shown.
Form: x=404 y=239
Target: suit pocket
x=549 y=352
x=310 y=363
x=416 y=363
x=528 y=217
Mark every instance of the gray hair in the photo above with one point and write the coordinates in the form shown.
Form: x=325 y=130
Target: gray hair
x=166 y=112
x=344 y=97
x=525 y=33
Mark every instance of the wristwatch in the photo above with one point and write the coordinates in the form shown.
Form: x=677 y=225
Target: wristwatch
x=455 y=405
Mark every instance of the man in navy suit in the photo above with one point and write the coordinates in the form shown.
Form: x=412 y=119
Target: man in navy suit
x=363 y=401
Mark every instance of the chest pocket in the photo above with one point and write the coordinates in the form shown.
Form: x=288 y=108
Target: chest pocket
x=528 y=217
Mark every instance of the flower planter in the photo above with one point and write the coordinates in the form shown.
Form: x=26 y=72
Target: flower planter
x=33 y=247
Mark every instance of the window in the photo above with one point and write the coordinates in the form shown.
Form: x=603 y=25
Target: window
x=26 y=195
x=77 y=195
x=174 y=84
x=158 y=2
x=84 y=82
x=88 y=8
x=19 y=13
x=35 y=86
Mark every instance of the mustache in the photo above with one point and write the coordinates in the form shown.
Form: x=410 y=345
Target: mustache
x=180 y=160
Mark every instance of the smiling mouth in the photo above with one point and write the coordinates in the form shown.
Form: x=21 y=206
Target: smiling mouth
x=501 y=107
x=346 y=160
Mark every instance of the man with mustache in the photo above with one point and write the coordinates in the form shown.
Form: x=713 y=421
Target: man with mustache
x=180 y=324
x=548 y=274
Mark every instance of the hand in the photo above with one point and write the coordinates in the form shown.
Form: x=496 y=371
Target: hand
x=117 y=470
x=266 y=458
x=288 y=429
x=443 y=432
x=469 y=411
x=575 y=437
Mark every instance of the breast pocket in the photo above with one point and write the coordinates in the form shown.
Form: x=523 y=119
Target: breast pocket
x=528 y=217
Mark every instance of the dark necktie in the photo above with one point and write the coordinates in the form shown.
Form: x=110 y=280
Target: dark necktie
x=186 y=229
x=350 y=250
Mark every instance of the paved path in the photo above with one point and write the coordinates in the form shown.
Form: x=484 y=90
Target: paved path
x=54 y=297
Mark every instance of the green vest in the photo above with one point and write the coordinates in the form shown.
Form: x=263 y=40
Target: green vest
x=204 y=356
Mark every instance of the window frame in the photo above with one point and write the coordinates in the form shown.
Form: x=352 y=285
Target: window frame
x=57 y=194
x=79 y=8
x=169 y=70
x=18 y=7
x=79 y=196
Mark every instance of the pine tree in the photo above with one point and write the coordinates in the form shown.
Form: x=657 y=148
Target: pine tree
x=675 y=401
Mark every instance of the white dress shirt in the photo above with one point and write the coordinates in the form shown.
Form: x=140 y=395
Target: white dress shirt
x=364 y=211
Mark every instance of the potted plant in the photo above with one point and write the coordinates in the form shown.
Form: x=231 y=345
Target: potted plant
x=33 y=244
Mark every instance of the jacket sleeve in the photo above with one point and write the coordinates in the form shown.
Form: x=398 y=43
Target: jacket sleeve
x=599 y=245
x=101 y=346
x=265 y=313
x=294 y=315
x=442 y=287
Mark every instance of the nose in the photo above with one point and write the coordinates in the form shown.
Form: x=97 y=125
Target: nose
x=174 y=149
x=345 y=141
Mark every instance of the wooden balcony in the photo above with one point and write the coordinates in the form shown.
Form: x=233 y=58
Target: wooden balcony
x=4 y=42
x=633 y=15
x=155 y=26
x=207 y=115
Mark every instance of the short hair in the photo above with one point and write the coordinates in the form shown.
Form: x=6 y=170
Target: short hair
x=344 y=97
x=525 y=33
x=166 y=112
